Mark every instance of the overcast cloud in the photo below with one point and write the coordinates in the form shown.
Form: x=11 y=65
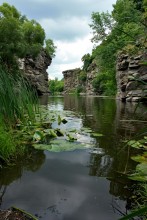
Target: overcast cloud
x=66 y=22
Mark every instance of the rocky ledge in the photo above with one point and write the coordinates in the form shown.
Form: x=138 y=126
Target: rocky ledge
x=35 y=70
x=131 y=77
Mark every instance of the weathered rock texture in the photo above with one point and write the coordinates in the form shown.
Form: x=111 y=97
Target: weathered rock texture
x=131 y=77
x=72 y=80
x=35 y=71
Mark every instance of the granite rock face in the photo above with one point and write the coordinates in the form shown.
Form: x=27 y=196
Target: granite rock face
x=72 y=80
x=131 y=77
x=35 y=70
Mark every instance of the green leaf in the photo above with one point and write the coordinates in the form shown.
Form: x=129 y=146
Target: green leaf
x=38 y=136
x=136 y=213
x=71 y=138
x=142 y=168
x=59 y=145
x=59 y=120
x=140 y=158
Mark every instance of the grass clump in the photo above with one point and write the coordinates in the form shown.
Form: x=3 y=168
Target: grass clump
x=18 y=105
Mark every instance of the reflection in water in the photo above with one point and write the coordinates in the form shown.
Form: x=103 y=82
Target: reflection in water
x=84 y=184
x=33 y=162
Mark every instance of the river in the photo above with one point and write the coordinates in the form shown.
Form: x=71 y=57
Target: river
x=80 y=184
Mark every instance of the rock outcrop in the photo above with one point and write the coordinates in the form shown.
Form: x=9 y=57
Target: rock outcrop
x=35 y=70
x=71 y=79
x=131 y=77
x=73 y=82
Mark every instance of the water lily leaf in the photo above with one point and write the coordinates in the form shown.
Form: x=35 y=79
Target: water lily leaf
x=73 y=130
x=135 y=144
x=87 y=130
x=59 y=120
x=97 y=135
x=71 y=138
x=38 y=136
x=142 y=168
x=52 y=133
x=59 y=145
x=138 y=177
x=140 y=158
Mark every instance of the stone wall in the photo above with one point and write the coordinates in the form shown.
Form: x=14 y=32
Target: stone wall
x=72 y=81
x=35 y=70
x=131 y=77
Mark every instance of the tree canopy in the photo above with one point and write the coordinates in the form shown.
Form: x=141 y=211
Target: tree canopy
x=20 y=36
x=123 y=30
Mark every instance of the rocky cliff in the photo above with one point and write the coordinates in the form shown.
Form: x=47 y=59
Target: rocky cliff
x=131 y=77
x=35 y=70
x=73 y=80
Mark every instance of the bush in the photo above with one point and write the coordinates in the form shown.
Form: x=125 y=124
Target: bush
x=83 y=76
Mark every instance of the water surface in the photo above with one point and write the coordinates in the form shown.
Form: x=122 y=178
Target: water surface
x=80 y=184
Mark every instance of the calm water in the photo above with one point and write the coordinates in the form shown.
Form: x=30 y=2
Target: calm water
x=79 y=185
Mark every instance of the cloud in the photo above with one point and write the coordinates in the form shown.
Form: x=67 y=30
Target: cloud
x=67 y=28
x=56 y=9
x=69 y=55
x=66 y=22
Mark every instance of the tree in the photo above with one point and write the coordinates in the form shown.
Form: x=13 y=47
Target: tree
x=50 y=47
x=122 y=30
x=102 y=24
x=20 y=37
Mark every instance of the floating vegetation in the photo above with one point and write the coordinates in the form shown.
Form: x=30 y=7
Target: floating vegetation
x=57 y=131
x=140 y=173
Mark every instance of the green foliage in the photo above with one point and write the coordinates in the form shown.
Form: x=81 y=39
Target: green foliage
x=102 y=24
x=56 y=86
x=140 y=211
x=20 y=37
x=83 y=76
x=50 y=47
x=122 y=30
x=87 y=60
x=16 y=99
x=103 y=84
x=7 y=143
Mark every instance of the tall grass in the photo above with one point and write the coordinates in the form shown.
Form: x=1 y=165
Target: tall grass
x=18 y=104
x=7 y=143
x=17 y=99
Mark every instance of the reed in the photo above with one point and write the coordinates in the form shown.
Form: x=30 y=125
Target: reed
x=18 y=104
x=17 y=99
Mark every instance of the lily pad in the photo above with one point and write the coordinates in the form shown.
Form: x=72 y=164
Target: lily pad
x=138 y=177
x=141 y=173
x=140 y=158
x=59 y=145
x=142 y=168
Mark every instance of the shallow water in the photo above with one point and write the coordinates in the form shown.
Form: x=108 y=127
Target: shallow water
x=81 y=184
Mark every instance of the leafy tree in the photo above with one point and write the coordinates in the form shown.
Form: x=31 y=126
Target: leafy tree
x=122 y=30
x=56 y=86
x=102 y=24
x=20 y=37
x=50 y=47
x=87 y=60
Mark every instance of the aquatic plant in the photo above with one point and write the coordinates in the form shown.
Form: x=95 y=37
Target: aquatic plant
x=17 y=99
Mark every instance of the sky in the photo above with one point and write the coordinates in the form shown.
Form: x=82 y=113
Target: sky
x=66 y=22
